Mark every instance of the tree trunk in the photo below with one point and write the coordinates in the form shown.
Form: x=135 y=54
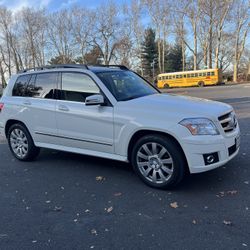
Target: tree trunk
x=205 y=54
x=2 y=76
x=183 y=55
x=210 y=51
x=159 y=55
x=235 y=77
x=195 y=48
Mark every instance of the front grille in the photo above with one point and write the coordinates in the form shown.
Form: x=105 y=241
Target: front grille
x=228 y=122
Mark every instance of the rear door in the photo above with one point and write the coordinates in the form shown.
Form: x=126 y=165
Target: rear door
x=39 y=107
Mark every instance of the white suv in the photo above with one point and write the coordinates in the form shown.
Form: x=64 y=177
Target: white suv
x=114 y=113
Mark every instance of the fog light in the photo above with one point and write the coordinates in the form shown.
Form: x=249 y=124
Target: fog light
x=211 y=158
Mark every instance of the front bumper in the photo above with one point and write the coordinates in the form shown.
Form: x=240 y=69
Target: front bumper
x=195 y=147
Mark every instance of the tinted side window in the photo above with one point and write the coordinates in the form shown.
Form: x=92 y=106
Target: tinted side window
x=42 y=85
x=76 y=87
x=21 y=85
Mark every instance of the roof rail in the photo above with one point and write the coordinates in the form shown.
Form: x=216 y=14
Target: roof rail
x=56 y=66
x=112 y=66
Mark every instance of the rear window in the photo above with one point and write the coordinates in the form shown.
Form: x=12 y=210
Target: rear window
x=21 y=85
x=42 y=85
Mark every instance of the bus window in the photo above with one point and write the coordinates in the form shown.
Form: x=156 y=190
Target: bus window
x=212 y=73
x=192 y=75
x=173 y=77
x=184 y=76
x=196 y=74
x=170 y=77
x=204 y=74
x=200 y=74
x=180 y=76
x=208 y=73
x=188 y=75
x=177 y=76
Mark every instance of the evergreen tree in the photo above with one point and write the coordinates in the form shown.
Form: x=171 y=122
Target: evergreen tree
x=174 y=59
x=149 y=54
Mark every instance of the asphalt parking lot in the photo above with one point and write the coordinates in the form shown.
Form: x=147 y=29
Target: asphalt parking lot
x=68 y=201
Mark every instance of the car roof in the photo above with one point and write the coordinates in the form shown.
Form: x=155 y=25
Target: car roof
x=73 y=67
x=98 y=69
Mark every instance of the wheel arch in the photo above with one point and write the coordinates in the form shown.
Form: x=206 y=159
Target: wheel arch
x=140 y=133
x=11 y=122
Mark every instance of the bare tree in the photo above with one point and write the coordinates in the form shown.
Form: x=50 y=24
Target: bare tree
x=133 y=11
x=108 y=31
x=7 y=48
x=193 y=13
x=209 y=32
x=33 y=26
x=82 y=28
x=242 y=26
x=60 y=34
x=226 y=55
x=160 y=16
x=223 y=9
x=178 y=17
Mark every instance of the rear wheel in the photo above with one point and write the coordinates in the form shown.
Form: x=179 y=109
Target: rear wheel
x=158 y=161
x=201 y=84
x=166 y=86
x=21 y=143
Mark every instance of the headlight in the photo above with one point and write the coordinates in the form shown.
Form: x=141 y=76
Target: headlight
x=200 y=126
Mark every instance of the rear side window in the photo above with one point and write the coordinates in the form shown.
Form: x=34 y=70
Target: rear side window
x=21 y=85
x=42 y=85
x=77 y=86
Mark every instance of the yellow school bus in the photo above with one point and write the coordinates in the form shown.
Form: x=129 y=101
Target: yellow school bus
x=199 y=78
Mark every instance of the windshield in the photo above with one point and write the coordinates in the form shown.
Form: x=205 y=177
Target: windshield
x=126 y=85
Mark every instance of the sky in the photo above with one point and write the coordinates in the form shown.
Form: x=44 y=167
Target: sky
x=52 y=5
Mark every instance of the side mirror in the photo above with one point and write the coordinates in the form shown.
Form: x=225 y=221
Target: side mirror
x=94 y=100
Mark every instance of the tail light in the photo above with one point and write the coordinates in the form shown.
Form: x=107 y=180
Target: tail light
x=1 y=106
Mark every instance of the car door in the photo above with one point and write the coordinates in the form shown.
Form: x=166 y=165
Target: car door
x=38 y=106
x=80 y=126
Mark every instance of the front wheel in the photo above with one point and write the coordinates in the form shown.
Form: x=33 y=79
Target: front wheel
x=158 y=161
x=21 y=143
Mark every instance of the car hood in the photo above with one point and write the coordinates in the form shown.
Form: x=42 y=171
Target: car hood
x=183 y=105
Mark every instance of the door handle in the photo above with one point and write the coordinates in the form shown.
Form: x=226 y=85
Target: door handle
x=63 y=108
x=26 y=102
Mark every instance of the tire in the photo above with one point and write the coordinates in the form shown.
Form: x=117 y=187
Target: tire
x=201 y=84
x=21 y=143
x=159 y=169
x=166 y=86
